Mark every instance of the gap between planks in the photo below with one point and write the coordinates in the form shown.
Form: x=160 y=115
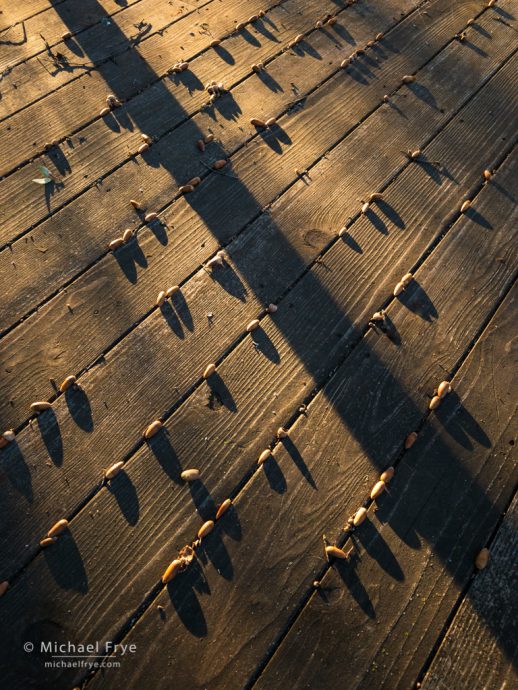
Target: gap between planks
x=388 y=459
x=182 y=283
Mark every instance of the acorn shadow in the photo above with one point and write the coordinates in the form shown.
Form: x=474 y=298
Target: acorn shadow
x=164 y=452
x=263 y=344
x=415 y=298
x=230 y=524
x=172 y=319
x=65 y=564
x=179 y=303
x=124 y=492
x=202 y=499
x=16 y=470
x=50 y=433
x=219 y=394
x=274 y=475
x=224 y=54
x=182 y=593
x=229 y=280
x=461 y=426
x=346 y=571
x=478 y=218
x=213 y=549
x=269 y=81
x=79 y=408
x=129 y=256
x=297 y=458
x=376 y=547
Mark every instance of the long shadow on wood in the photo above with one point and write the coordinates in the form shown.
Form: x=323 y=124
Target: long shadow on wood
x=266 y=281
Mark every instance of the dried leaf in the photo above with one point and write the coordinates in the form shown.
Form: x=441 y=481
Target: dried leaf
x=42 y=180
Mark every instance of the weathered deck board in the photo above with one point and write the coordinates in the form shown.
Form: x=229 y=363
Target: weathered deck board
x=28 y=371
x=481 y=646
x=145 y=66
x=24 y=40
x=224 y=615
x=18 y=12
x=381 y=615
x=98 y=150
x=106 y=211
x=118 y=415
x=160 y=509
x=33 y=80
x=246 y=614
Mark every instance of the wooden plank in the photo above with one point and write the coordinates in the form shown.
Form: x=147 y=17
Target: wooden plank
x=189 y=39
x=119 y=413
x=34 y=79
x=480 y=647
x=23 y=40
x=148 y=62
x=18 y=12
x=140 y=293
x=418 y=550
x=99 y=150
x=150 y=505
x=104 y=211
x=256 y=582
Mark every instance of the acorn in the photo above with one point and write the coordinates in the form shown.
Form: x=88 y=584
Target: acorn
x=209 y=370
x=377 y=489
x=264 y=456
x=115 y=244
x=434 y=402
x=40 y=405
x=58 y=528
x=205 y=529
x=190 y=475
x=223 y=508
x=67 y=383
x=410 y=440
x=443 y=389
x=482 y=559
x=152 y=429
x=335 y=552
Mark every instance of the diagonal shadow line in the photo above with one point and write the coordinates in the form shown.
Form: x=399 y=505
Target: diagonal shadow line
x=79 y=28
x=210 y=214
x=355 y=422
x=124 y=43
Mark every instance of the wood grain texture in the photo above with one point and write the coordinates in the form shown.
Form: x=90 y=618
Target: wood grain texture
x=147 y=63
x=18 y=12
x=197 y=433
x=119 y=404
x=35 y=78
x=381 y=614
x=104 y=211
x=480 y=646
x=125 y=302
x=224 y=615
x=23 y=40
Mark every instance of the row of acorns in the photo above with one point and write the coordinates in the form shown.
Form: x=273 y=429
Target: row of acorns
x=378 y=317
x=215 y=89
x=189 y=475
x=333 y=551
x=41 y=405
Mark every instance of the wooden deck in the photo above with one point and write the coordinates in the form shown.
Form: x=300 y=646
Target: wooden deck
x=259 y=606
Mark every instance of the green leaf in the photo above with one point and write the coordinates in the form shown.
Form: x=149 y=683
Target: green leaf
x=45 y=171
x=42 y=180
